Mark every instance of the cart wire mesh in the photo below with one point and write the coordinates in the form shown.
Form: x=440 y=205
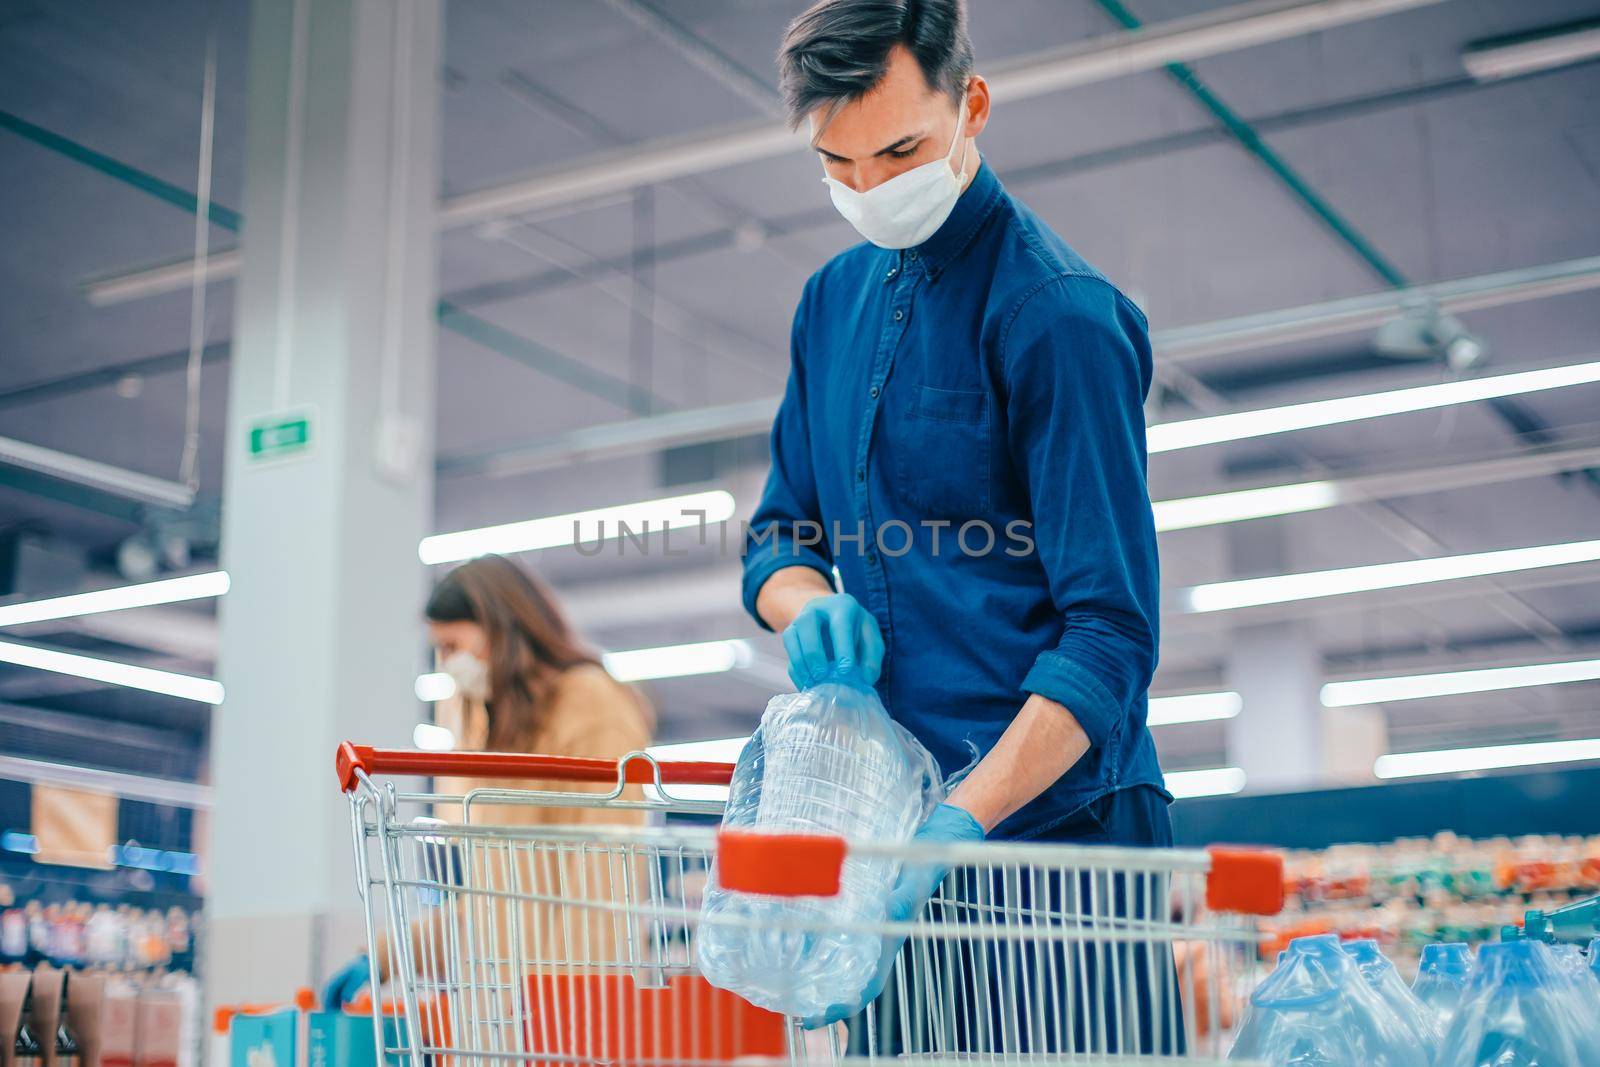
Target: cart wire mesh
x=576 y=944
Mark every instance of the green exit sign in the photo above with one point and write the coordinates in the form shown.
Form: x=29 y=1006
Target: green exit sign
x=280 y=436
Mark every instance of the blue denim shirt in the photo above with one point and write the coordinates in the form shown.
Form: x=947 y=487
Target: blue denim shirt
x=987 y=384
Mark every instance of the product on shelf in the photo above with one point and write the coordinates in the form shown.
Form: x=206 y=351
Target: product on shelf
x=26 y=1051
x=82 y=935
x=67 y=1050
x=1412 y=892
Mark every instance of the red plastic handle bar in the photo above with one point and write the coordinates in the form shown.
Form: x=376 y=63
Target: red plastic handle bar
x=1246 y=881
x=783 y=865
x=353 y=757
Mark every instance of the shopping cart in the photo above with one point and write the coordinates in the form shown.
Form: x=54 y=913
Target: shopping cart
x=575 y=944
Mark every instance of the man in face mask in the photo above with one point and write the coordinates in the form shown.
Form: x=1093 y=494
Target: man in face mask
x=962 y=438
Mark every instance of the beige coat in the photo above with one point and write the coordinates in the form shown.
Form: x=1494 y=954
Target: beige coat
x=590 y=714
x=537 y=917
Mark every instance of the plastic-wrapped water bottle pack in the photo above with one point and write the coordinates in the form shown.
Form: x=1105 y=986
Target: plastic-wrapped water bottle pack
x=1318 y=1009
x=1519 y=1004
x=827 y=760
x=1441 y=976
x=1524 y=1008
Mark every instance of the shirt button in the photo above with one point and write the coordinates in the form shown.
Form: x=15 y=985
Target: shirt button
x=898 y=315
x=861 y=474
x=873 y=392
x=911 y=254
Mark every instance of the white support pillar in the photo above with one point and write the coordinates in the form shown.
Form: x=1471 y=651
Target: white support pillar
x=1352 y=740
x=1276 y=669
x=334 y=337
x=1283 y=738
x=1276 y=738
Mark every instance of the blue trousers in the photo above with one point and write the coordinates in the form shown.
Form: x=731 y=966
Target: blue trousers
x=1060 y=959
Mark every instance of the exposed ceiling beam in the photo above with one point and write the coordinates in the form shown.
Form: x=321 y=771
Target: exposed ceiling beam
x=712 y=593
x=102 y=377
x=96 y=729
x=164 y=278
x=700 y=53
x=727 y=421
x=147 y=283
x=682 y=595
x=1097 y=59
x=128 y=786
x=612 y=439
x=171 y=277
x=186 y=635
x=1237 y=504
x=1189 y=344
x=94 y=474
x=1418 y=655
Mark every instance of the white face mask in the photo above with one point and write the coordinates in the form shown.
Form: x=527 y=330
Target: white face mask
x=908 y=208
x=470 y=674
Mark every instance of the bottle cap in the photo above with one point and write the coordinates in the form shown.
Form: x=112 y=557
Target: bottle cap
x=1450 y=957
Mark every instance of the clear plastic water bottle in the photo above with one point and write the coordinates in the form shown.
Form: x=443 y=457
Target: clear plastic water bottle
x=1574 y=966
x=1387 y=983
x=1317 y=1009
x=828 y=760
x=1518 y=1010
x=1441 y=976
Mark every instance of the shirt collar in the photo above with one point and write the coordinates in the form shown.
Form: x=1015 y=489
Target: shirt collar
x=976 y=203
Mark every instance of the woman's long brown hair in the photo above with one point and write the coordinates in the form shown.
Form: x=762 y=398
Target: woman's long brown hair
x=530 y=642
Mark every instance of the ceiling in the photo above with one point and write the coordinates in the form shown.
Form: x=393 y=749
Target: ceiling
x=1442 y=176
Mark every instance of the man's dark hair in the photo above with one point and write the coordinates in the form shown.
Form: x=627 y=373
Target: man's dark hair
x=837 y=50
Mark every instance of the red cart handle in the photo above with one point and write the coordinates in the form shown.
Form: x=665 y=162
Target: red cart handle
x=636 y=769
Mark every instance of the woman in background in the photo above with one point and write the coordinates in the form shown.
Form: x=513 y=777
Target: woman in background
x=524 y=683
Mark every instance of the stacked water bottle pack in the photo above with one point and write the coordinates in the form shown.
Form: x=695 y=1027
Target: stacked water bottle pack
x=1520 y=1003
x=826 y=760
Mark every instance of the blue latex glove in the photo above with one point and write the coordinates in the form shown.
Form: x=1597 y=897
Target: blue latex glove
x=833 y=633
x=345 y=983
x=912 y=890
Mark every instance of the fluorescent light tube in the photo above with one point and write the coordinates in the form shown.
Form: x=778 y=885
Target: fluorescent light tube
x=677 y=661
x=205 y=690
x=143 y=595
x=1215 y=782
x=434 y=686
x=1278 y=589
x=431 y=737
x=16 y=841
x=1492 y=757
x=1526 y=53
x=1242 y=425
x=1184 y=513
x=581 y=527
x=1193 y=707
x=632 y=665
x=1454 y=683
x=721 y=750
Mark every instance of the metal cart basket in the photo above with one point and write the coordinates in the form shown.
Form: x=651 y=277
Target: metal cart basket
x=510 y=939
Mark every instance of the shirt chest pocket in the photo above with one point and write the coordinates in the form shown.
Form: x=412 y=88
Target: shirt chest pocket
x=942 y=452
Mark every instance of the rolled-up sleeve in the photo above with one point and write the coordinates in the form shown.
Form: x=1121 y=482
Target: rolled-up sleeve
x=775 y=538
x=1077 y=367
